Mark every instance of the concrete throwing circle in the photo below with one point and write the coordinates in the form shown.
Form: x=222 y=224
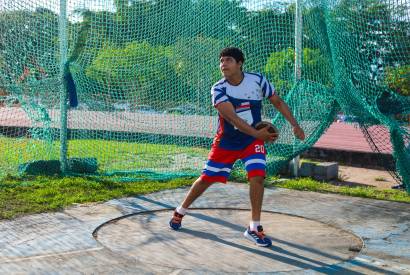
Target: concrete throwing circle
x=211 y=240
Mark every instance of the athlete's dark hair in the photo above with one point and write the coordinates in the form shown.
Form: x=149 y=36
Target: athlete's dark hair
x=236 y=53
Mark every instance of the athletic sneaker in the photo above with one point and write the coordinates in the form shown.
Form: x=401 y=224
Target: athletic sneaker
x=175 y=222
x=258 y=237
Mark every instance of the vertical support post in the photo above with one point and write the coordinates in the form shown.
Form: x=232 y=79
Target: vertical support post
x=62 y=33
x=298 y=41
x=298 y=66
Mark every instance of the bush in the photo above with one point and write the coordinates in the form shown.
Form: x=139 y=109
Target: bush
x=398 y=79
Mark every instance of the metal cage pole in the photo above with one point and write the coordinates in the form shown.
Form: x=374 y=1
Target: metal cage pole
x=298 y=67
x=62 y=31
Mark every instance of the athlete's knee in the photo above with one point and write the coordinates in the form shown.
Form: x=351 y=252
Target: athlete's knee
x=203 y=182
x=259 y=180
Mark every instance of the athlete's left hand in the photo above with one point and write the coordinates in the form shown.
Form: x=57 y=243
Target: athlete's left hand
x=299 y=132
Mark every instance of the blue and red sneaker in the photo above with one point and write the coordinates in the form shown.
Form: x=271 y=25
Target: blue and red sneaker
x=175 y=222
x=258 y=237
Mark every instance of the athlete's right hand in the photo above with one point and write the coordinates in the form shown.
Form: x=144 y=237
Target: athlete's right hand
x=266 y=136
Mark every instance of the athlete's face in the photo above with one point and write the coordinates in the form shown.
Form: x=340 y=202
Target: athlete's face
x=229 y=66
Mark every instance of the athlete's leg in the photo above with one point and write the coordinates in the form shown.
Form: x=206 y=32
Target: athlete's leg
x=254 y=158
x=256 y=190
x=197 y=188
x=255 y=231
x=217 y=169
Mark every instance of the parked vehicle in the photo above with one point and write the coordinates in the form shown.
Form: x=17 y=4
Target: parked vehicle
x=187 y=109
x=145 y=109
x=121 y=106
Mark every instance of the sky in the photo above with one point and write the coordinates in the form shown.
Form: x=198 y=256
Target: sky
x=99 y=5
x=108 y=5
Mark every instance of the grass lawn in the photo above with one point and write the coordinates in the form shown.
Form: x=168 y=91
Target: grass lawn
x=307 y=184
x=111 y=155
x=26 y=195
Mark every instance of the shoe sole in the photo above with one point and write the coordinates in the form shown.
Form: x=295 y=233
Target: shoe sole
x=250 y=238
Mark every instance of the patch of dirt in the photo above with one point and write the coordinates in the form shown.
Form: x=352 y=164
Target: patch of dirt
x=354 y=176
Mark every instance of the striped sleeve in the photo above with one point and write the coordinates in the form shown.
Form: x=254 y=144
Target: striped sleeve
x=267 y=88
x=218 y=95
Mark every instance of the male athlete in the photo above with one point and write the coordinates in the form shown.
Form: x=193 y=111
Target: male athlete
x=238 y=99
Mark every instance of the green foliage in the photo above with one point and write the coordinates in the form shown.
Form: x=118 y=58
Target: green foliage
x=280 y=67
x=398 y=79
x=195 y=61
x=371 y=29
x=19 y=43
x=135 y=71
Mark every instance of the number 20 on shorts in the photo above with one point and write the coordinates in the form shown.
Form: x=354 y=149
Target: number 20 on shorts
x=259 y=148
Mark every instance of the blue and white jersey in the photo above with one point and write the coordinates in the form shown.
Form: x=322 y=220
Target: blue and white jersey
x=246 y=98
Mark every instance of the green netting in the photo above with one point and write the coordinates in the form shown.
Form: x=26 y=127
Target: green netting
x=142 y=72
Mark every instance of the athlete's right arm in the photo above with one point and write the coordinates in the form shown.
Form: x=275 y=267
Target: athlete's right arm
x=227 y=111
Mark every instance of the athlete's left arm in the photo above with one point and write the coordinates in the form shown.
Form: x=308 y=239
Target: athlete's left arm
x=283 y=108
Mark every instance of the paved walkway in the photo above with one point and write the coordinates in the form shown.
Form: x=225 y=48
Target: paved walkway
x=312 y=233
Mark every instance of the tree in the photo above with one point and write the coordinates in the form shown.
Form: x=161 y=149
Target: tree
x=137 y=72
x=265 y=31
x=28 y=35
x=315 y=31
x=280 y=68
x=373 y=34
x=195 y=61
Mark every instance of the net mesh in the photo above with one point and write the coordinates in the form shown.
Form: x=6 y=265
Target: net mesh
x=141 y=72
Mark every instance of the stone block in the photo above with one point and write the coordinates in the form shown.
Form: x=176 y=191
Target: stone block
x=307 y=169
x=284 y=170
x=326 y=171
